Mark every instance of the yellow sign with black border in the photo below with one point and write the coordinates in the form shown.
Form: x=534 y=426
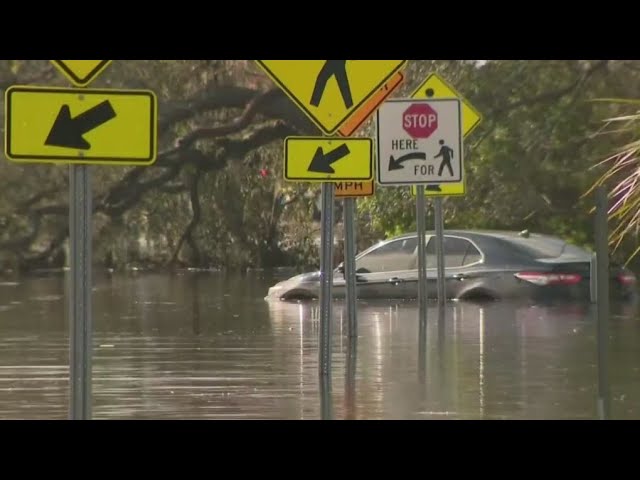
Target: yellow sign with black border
x=83 y=126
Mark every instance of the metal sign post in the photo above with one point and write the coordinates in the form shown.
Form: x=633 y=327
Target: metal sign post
x=326 y=286
x=420 y=143
x=602 y=301
x=326 y=277
x=76 y=136
x=326 y=403
x=362 y=86
x=422 y=262
x=350 y=378
x=350 y=265
x=80 y=351
x=439 y=230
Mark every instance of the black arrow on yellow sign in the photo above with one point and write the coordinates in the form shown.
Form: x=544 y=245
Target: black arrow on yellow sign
x=68 y=132
x=321 y=162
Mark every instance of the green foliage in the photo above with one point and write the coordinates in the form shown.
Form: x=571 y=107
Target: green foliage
x=528 y=165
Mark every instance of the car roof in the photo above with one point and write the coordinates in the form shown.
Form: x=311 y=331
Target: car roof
x=505 y=234
x=532 y=243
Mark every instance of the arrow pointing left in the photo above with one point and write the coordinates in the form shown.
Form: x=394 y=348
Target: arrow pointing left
x=396 y=163
x=321 y=162
x=68 y=132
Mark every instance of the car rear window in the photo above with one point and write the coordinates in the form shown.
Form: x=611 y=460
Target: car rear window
x=544 y=247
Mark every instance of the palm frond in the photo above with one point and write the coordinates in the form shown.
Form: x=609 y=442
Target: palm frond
x=629 y=101
x=623 y=176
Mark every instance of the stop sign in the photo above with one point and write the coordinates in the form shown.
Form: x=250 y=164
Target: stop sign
x=420 y=120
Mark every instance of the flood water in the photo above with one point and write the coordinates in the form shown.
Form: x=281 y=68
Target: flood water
x=208 y=346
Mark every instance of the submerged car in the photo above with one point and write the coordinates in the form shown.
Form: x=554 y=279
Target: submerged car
x=479 y=265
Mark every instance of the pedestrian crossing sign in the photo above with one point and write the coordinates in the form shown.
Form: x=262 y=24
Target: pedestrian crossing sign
x=329 y=92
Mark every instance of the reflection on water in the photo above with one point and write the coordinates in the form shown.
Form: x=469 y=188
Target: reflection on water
x=206 y=345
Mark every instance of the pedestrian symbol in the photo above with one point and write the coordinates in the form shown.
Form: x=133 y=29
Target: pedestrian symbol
x=331 y=92
x=338 y=70
x=447 y=155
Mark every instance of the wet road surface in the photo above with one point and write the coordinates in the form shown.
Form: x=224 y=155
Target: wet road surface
x=208 y=346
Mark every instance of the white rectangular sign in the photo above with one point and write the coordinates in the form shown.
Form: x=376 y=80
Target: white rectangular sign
x=420 y=142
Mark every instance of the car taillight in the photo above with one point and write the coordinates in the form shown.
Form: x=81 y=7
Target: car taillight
x=544 y=278
x=627 y=278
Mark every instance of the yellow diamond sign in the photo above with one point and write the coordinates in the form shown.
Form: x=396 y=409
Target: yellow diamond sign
x=81 y=72
x=436 y=87
x=330 y=91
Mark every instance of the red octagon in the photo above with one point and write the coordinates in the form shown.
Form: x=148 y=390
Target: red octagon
x=420 y=120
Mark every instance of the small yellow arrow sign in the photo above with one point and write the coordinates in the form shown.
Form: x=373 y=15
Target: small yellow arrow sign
x=322 y=159
x=69 y=125
x=81 y=72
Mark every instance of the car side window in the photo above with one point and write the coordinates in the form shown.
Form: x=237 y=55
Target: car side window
x=458 y=252
x=390 y=257
x=472 y=255
x=432 y=259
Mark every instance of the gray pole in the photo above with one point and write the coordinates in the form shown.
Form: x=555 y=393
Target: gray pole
x=80 y=292
x=326 y=407
x=350 y=379
x=326 y=277
x=422 y=261
x=350 y=264
x=593 y=275
x=439 y=228
x=602 y=301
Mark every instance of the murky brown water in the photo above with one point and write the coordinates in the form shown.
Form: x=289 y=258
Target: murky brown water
x=208 y=346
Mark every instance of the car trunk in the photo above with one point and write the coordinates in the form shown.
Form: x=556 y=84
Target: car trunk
x=574 y=275
x=564 y=269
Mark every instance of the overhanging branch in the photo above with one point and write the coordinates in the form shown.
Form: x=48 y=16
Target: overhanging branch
x=554 y=95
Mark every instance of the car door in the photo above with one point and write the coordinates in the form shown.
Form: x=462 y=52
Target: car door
x=432 y=268
x=383 y=271
x=411 y=279
x=459 y=255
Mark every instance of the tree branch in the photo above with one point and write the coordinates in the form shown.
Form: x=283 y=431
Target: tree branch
x=130 y=189
x=239 y=148
x=24 y=206
x=554 y=95
x=54 y=246
x=253 y=107
x=46 y=75
x=187 y=235
x=25 y=240
x=176 y=188
x=272 y=104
